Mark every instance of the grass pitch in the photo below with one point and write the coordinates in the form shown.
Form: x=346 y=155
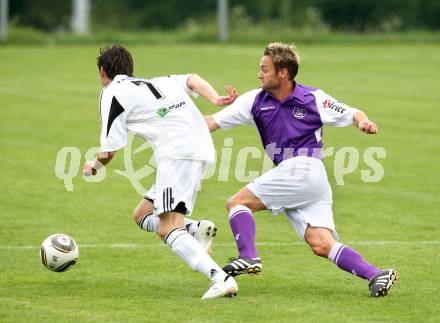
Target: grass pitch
x=48 y=100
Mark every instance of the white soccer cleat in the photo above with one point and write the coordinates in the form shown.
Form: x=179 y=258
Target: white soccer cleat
x=205 y=233
x=226 y=288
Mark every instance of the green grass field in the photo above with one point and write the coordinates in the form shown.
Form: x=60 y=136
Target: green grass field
x=48 y=100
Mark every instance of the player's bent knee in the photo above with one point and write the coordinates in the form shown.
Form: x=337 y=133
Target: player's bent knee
x=163 y=230
x=230 y=203
x=137 y=216
x=320 y=240
x=234 y=201
x=144 y=207
x=318 y=246
x=246 y=198
x=162 y=233
x=168 y=222
x=320 y=250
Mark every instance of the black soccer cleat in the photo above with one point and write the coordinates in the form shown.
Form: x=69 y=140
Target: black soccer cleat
x=382 y=282
x=238 y=266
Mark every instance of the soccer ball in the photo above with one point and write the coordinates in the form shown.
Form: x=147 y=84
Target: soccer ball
x=59 y=252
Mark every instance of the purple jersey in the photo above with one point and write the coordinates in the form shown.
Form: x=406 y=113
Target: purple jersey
x=290 y=128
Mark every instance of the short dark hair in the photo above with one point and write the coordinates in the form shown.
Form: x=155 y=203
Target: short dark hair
x=284 y=56
x=115 y=60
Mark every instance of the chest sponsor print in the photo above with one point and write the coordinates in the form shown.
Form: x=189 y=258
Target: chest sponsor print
x=163 y=111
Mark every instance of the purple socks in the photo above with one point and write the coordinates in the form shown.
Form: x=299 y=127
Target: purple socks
x=243 y=228
x=349 y=260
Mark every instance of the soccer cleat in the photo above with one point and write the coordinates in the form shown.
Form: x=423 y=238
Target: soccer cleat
x=226 y=288
x=238 y=266
x=382 y=282
x=205 y=233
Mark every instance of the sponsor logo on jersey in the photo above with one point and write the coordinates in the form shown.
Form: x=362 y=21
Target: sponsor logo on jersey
x=299 y=113
x=163 y=111
x=268 y=108
x=327 y=104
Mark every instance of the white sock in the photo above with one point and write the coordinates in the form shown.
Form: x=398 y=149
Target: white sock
x=150 y=223
x=335 y=251
x=192 y=253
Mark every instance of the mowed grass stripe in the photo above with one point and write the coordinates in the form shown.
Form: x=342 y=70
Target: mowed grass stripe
x=220 y=245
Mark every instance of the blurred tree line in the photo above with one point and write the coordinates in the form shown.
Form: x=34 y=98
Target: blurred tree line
x=340 y=15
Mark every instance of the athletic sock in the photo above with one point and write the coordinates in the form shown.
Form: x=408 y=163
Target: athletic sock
x=192 y=253
x=351 y=261
x=149 y=222
x=242 y=224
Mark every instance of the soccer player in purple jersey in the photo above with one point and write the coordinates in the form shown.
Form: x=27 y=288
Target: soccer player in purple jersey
x=289 y=117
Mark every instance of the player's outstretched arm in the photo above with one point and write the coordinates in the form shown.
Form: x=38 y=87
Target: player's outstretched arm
x=212 y=125
x=91 y=166
x=202 y=87
x=361 y=121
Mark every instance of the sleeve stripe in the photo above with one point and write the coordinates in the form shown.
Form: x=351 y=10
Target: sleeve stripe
x=115 y=110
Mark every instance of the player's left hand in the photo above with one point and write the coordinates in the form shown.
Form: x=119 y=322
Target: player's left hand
x=223 y=100
x=88 y=168
x=368 y=127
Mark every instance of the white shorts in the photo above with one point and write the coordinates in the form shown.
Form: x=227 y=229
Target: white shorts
x=177 y=184
x=299 y=187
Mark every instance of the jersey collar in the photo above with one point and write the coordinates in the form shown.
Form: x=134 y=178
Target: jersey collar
x=297 y=94
x=120 y=77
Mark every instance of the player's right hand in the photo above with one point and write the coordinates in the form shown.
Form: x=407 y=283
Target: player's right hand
x=227 y=99
x=88 y=168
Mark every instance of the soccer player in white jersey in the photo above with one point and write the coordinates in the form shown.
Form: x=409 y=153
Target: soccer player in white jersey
x=289 y=117
x=161 y=111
